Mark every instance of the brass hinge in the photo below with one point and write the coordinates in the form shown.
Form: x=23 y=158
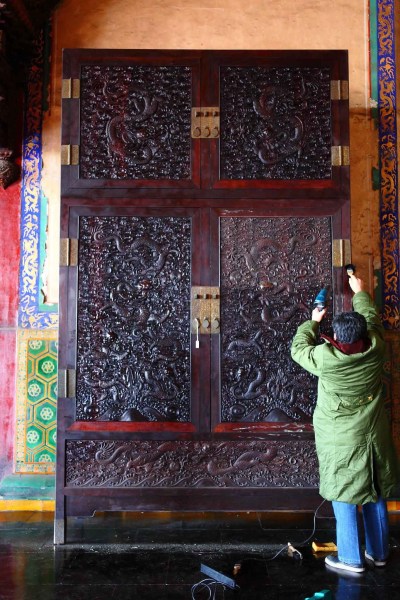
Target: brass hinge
x=205 y=122
x=339 y=89
x=68 y=252
x=66 y=383
x=341 y=252
x=205 y=316
x=340 y=156
x=69 y=155
x=71 y=88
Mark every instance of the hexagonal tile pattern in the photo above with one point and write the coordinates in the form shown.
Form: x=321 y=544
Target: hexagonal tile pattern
x=37 y=402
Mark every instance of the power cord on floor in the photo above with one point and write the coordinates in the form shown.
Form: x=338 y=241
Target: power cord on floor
x=208 y=585
x=292 y=551
x=211 y=585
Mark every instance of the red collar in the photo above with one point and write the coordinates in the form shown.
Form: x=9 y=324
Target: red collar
x=354 y=348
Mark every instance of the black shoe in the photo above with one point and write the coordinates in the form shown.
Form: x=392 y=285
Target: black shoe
x=377 y=563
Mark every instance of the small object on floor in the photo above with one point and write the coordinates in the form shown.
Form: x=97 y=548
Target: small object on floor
x=236 y=568
x=377 y=563
x=326 y=594
x=293 y=552
x=323 y=546
x=334 y=563
x=217 y=576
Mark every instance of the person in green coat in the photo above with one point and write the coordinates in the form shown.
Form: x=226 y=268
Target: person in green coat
x=356 y=454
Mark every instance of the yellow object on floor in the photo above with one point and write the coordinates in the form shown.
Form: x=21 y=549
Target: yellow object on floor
x=324 y=547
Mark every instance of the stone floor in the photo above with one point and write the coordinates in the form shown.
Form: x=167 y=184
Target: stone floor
x=159 y=556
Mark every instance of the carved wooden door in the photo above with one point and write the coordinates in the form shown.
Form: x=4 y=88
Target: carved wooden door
x=271 y=269
x=257 y=124
x=280 y=125
x=191 y=251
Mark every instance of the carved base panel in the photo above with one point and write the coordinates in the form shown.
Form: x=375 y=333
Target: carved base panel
x=191 y=464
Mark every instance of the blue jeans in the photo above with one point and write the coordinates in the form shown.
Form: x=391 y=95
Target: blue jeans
x=376 y=526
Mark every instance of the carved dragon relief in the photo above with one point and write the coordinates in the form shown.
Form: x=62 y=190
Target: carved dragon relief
x=133 y=319
x=125 y=136
x=267 y=290
x=275 y=123
x=135 y=122
x=188 y=464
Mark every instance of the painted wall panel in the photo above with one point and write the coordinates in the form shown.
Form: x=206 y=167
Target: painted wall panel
x=7 y=399
x=9 y=255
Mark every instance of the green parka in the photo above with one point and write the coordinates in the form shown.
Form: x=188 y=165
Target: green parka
x=356 y=455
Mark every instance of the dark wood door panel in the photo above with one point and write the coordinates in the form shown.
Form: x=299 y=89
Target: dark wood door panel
x=283 y=123
x=280 y=119
x=128 y=308
x=271 y=269
x=130 y=122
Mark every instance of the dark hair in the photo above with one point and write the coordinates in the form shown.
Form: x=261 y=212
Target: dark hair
x=349 y=327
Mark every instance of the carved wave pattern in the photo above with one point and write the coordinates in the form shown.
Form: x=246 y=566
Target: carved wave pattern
x=189 y=464
x=133 y=341
x=135 y=122
x=271 y=272
x=275 y=123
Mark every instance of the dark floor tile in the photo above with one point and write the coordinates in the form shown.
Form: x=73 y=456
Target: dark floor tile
x=389 y=575
x=31 y=568
x=286 y=571
x=267 y=537
x=62 y=592
x=108 y=566
x=103 y=535
x=176 y=539
x=30 y=538
x=160 y=592
x=121 y=556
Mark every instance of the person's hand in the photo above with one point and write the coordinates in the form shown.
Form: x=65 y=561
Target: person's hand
x=317 y=315
x=356 y=284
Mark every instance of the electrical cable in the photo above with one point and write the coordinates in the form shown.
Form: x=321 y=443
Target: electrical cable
x=299 y=545
x=206 y=584
x=211 y=585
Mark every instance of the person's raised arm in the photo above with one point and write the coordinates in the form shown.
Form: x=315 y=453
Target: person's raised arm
x=356 y=284
x=363 y=303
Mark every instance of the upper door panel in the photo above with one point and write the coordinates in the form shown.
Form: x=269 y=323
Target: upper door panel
x=283 y=122
x=127 y=119
x=268 y=124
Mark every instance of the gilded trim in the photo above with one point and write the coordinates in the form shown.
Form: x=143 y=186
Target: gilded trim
x=31 y=313
x=389 y=217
